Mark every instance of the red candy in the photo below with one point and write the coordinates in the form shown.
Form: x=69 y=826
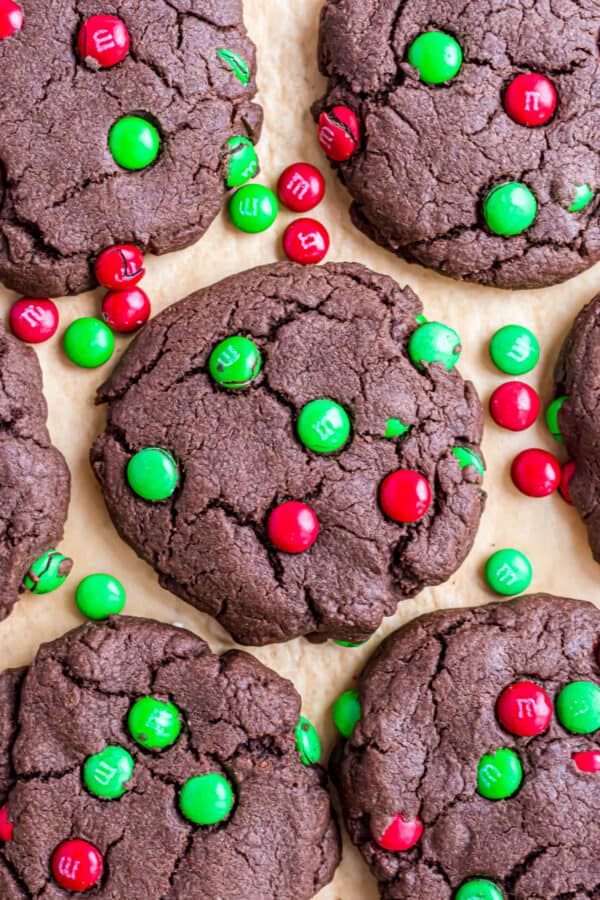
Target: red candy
x=306 y=241
x=120 y=266
x=301 y=187
x=6 y=827
x=405 y=496
x=11 y=18
x=530 y=99
x=524 y=709
x=32 y=320
x=338 y=133
x=536 y=472
x=587 y=760
x=293 y=527
x=77 y=865
x=103 y=41
x=514 y=405
x=565 y=480
x=401 y=834
x=126 y=310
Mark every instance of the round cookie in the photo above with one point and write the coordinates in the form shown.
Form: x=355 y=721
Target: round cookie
x=34 y=478
x=429 y=154
x=235 y=475
x=440 y=736
x=236 y=720
x=66 y=194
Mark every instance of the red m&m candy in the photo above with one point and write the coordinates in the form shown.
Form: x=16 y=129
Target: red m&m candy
x=77 y=865
x=401 y=834
x=338 y=133
x=11 y=18
x=6 y=827
x=524 y=709
x=306 y=241
x=567 y=473
x=293 y=527
x=530 y=99
x=301 y=187
x=120 y=266
x=587 y=760
x=536 y=472
x=126 y=310
x=405 y=496
x=514 y=405
x=103 y=41
x=32 y=320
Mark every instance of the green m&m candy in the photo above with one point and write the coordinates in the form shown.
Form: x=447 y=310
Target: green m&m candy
x=395 y=428
x=346 y=712
x=236 y=63
x=323 y=426
x=153 y=474
x=437 y=56
x=582 y=195
x=578 y=707
x=349 y=643
x=307 y=742
x=499 y=774
x=508 y=572
x=206 y=799
x=510 y=208
x=241 y=161
x=514 y=349
x=106 y=773
x=253 y=208
x=434 y=342
x=467 y=457
x=88 y=342
x=153 y=723
x=235 y=362
x=134 y=142
x=99 y=596
x=552 y=418
x=479 y=889
x=48 y=572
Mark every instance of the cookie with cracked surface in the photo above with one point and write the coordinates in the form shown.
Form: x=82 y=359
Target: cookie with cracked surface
x=236 y=720
x=273 y=448
x=434 y=702
x=35 y=482
x=70 y=190
x=452 y=101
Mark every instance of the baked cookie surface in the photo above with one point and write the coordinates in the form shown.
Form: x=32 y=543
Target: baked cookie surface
x=189 y=73
x=517 y=104
x=338 y=334
x=480 y=727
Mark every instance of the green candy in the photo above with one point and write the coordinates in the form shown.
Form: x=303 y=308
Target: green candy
x=238 y=66
x=47 y=573
x=479 y=889
x=235 y=362
x=346 y=712
x=323 y=426
x=106 y=773
x=242 y=161
x=134 y=143
x=552 y=418
x=437 y=56
x=253 y=208
x=206 y=799
x=467 y=457
x=509 y=208
x=153 y=474
x=499 y=774
x=578 y=707
x=88 y=342
x=514 y=350
x=349 y=643
x=307 y=742
x=582 y=195
x=434 y=342
x=508 y=572
x=153 y=723
x=395 y=428
x=420 y=319
x=100 y=596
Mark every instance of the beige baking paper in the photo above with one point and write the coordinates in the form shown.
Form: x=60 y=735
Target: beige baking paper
x=547 y=530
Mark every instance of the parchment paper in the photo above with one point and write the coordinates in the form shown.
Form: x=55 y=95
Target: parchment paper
x=547 y=530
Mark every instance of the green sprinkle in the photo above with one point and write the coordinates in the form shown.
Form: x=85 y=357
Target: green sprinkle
x=238 y=66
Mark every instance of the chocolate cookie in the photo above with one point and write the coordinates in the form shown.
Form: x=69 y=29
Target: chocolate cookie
x=118 y=128
x=464 y=132
x=290 y=454
x=474 y=771
x=34 y=478
x=147 y=767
